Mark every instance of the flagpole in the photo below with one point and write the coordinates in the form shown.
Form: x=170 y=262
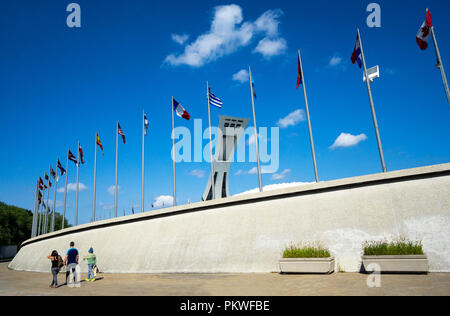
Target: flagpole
x=52 y=224
x=46 y=207
x=374 y=117
x=173 y=160
x=76 y=202
x=143 y=160
x=117 y=157
x=39 y=219
x=33 y=230
x=309 y=119
x=441 y=65
x=65 y=192
x=95 y=178
x=213 y=187
x=256 y=131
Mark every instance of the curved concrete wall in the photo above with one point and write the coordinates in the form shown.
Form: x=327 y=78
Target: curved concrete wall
x=248 y=233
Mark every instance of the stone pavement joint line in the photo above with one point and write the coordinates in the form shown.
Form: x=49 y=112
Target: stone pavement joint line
x=37 y=284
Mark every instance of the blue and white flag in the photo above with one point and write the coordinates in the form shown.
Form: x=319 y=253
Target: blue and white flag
x=213 y=100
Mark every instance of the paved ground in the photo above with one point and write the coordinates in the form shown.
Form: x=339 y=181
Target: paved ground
x=28 y=283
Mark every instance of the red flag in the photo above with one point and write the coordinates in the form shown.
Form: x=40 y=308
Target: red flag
x=424 y=32
x=120 y=131
x=299 y=78
x=99 y=143
x=81 y=154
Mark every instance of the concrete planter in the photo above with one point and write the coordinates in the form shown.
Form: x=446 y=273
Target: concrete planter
x=397 y=264
x=307 y=265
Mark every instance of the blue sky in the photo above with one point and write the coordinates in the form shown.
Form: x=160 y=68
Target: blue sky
x=59 y=85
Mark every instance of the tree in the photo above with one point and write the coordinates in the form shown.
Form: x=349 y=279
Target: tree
x=16 y=223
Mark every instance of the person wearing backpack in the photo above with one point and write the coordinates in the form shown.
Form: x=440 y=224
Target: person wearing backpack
x=57 y=263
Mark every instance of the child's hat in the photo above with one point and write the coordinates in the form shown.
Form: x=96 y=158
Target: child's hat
x=91 y=250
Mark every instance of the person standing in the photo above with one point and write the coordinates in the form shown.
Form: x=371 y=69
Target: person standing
x=91 y=261
x=57 y=263
x=71 y=262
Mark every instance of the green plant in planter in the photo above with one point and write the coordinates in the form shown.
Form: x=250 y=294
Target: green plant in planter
x=399 y=247
x=306 y=251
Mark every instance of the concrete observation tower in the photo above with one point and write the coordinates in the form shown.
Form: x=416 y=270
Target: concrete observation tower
x=232 y=129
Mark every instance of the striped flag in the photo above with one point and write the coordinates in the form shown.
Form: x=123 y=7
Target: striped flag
x=61 y=169
x=99 y=143
x=72 y=157
x=356 y=56
x=121 y=133
x=213 y=100
x=53 y=173
x=180 y=111
x=81 y=154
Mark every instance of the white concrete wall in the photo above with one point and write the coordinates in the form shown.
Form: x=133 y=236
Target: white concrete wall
x=248 y=233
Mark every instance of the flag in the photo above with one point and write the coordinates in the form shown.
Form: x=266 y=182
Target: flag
x=46 y=176
x=424 y=32
x=81 y=154
x=53 y=173
x=61 y=169
x=356 y=56
x=299 y=77
x=253 y=86
x=213 y=100
x=181 y=112
x=40 y=197
x=41 y=184
x=49 y=184
x=120 y=131
x=99 y=143
x=145 y=125
x=72 y=157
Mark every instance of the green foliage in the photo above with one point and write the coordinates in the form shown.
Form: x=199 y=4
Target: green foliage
x=16 y=223
x=394 y=248
x=306 y=251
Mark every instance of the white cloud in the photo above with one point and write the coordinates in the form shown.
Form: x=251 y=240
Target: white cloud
x=111 y=190
x=163 y=201
x=254 y=170
x=227 y=34
x=198 y=173
x=106 y=207
x=271 y=47
x=292 y=119
x=335 y=60
x=58 y=203
x=282 y=175
x=239 y=172
x=273 y=187
x=242 y=76
x=252 y=139
x=180 y=39
x=73 y=187
x=348 y=140
x=268 y=22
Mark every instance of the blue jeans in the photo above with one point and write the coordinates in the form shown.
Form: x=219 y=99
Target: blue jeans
x=55 y=276
x=90 y=273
